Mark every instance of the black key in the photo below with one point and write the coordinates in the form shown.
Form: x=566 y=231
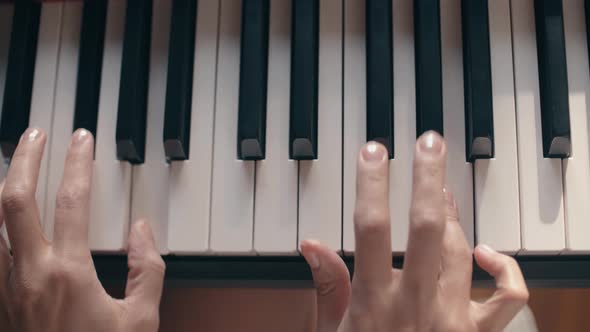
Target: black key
x=179 y=89
x=253 y=79
x=379 y=73
x=429 y=110
x=90 y=65
x=477 y=78
x=303 y=133
x=133 y=92
x=553 y=86
x=19 y=74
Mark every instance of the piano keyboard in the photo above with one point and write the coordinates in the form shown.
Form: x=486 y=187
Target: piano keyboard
x=232 y=126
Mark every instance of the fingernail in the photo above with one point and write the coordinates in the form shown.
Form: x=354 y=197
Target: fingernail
x=449 y=198
x=430 y=142
x=373 y=152
x=487 y=249
x=143 y=227
x=313 y=261
x=80 y=135
x=31 y=134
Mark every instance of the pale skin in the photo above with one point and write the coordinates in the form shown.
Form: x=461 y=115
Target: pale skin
x=432 y=292
x=52 y=286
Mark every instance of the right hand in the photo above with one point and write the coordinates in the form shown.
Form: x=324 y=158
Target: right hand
x=432 y=292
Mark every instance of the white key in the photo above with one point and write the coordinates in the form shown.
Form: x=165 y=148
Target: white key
x=6 y=12
x=576 y=169
x=64 y=104
x=44 y=85
x=232 y=208
x=541 y=203
x=275 y=210
x=190 y=180
x=497 y=208
x=111 y=183
x=355 y=111
x=400 y=168
x=459 y=172
x=150 y=179
x=320 y=180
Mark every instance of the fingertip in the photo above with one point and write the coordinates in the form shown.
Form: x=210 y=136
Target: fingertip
x=312 y=250
x=82 y=135
x=488 y=259
x=430 y=143
x=373 y=152
x=141 y=236
x=33 y=134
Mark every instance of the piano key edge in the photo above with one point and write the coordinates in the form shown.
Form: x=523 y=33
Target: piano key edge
x=293 y=272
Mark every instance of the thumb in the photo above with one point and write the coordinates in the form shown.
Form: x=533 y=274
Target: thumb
x=511 y=293
x=146 y=269
x=332 y=283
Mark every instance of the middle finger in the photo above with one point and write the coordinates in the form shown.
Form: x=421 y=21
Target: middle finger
x=427 y=217
x=372 y=264
x=72 y=209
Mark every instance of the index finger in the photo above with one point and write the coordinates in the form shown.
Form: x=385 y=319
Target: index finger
x=372 y=229
x=427 y=216
x=21 y=213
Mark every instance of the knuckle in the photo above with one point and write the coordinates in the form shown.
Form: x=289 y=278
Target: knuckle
x=325 y=288
x=517 y=295
x=17 y=198
x=58 y=274
x=72 y=196
x=426 y=220
x=372 y=220
x=29 y=293
x=462 y=253
x=152 y=262
x=146 y=320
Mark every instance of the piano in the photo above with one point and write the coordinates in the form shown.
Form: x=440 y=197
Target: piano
x=232 y=126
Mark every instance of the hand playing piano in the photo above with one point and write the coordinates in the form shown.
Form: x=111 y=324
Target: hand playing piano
x=52 y=286
x=432 y=292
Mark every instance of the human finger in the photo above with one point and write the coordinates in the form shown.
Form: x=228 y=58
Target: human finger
x=18 y=196
x=511 y=293
x=72 y=209
x=332 y=282
x=427 y=218
x=456 y=260
x=372 y=228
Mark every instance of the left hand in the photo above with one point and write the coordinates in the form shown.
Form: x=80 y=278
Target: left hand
x=52 y=286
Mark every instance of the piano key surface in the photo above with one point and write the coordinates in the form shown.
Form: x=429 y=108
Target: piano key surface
x=232 y=192
x=179 y=84
x=44 y=90
x=111 y=178
x=16 y=103
x=190 y=180
x=214 y=203
x=576 y=168
x=275 y=206
x=459 y=172
x=149 y=192
x=496 y=180
x=320 y=180
x=64 y=106
x=540 y=178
